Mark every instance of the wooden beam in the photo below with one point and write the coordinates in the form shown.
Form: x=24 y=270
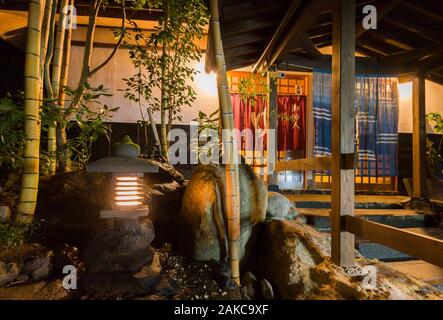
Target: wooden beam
x=273 y=118
x=343 y=130
x=420 y=9
x=310 y=48
x=302 y=22
x=416 y=245
x=418 y=137
x=415 y=27
x=383 y=8
x=245 y=26
x=308 y=164
x=277 y=34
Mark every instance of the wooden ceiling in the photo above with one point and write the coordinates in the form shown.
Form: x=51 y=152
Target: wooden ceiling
x=291 y=33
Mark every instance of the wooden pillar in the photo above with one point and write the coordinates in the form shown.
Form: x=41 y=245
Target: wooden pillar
x=273 y=121
x=343 y=130
x=418 y=137
x=310 y=130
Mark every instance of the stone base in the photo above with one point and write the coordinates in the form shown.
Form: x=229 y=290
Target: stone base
x=125 y=214
x=122 y=247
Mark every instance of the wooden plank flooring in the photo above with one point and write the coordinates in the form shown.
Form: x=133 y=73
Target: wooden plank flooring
x=420 y=269
x=385 y=199
x=358 y=212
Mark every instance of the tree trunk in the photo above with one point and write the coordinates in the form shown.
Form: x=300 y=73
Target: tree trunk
x=232 y=193
x=164 y=106
x=94 y=7
x=29 y=189
x=56 y=72
x=65 y=163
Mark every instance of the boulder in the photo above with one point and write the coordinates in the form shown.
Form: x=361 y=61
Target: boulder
x=124 y=247
x=295 y=259
x=279 y=207
x=203 y=218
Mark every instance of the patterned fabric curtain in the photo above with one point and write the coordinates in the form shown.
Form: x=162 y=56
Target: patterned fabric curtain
x=250 y=115
x=291 y=123
x=376 y=109
x=322 y=113
x=377 y=125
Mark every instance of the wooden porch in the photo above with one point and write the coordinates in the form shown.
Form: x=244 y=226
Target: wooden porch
x=293 y=36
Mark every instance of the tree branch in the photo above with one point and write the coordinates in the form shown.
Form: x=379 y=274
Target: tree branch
x=117 y=46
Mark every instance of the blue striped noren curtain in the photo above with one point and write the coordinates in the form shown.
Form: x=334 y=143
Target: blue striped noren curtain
x=376 y=109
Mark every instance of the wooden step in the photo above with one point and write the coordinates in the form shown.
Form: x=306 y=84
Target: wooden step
x=322 y=212
x=399 y=218
x=420 y=269
x=430 y=232
x=386 y=199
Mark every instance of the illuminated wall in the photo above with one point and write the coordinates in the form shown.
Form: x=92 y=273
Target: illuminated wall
x=434 y=103
x=111 y=76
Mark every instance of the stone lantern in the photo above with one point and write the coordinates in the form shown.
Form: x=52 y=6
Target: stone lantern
x=123 y=244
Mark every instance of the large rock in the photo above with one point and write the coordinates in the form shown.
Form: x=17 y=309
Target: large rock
x=203 y=218
x=279 y=207
x=124 y=247
x=295 y=259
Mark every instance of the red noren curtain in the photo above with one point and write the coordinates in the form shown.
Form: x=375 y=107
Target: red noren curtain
x=291 y=123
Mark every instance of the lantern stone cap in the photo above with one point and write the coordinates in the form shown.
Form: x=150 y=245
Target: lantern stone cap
x=122 y=165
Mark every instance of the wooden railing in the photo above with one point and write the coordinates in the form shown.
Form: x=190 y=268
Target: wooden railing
x=416 y=245
x=319 y=163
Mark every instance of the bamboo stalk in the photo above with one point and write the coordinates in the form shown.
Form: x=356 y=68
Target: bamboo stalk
x=163 y=107
x=30 y=177
x=232 y=175
x=61 y=129
x=56 y=73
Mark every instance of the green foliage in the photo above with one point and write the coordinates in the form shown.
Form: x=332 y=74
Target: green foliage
x=89 y=116
x=164 y=57
x=434 y=153
x=207 y=122
x=12 y=136
x=252 y=86
x=13 y=235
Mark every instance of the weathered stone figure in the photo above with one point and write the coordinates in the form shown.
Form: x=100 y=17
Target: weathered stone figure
x=203 y=222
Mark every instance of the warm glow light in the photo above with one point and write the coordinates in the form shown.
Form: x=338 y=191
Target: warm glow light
x=405 y=90
x=129 y=203
x=128 y=191
x=127 y=198
x=129 y=183
x=206 y=83
x=127 y=178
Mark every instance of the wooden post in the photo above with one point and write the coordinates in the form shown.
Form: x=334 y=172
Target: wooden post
x=418 y=137
x=273 y=120
x=343 y=130
x=310 y=130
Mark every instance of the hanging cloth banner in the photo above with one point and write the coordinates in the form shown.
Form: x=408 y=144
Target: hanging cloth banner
x=376 y=114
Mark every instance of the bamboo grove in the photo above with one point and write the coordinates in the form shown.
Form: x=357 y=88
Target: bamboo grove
x=47 y=59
